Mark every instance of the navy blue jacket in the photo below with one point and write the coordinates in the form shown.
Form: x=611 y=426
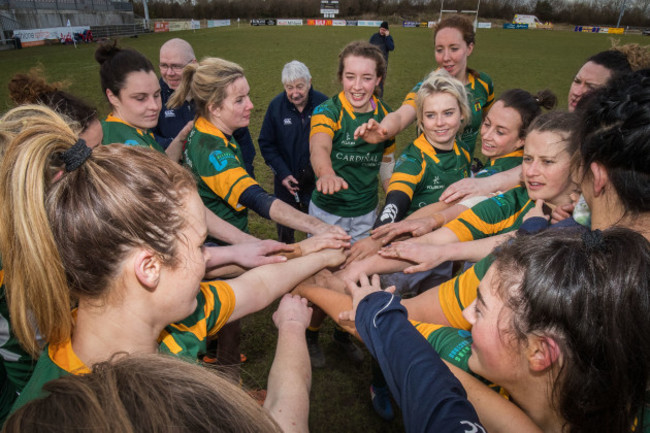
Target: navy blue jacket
x=171 y=121
x=385 y=43
x=430 y=396
x=284 y=137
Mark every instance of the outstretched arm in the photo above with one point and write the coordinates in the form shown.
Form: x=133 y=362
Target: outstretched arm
x=259 y=287
x=390 y=126
x=224 y=231
x=320 y=148
x=471 y=186
x=289 y=380
x=430 y=397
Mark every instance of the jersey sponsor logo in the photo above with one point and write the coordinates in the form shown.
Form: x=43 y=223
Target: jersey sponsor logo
x=169 y=113
x=499 y=199
x=402 y=159
x=287 y=121
x=131 y=143
x=366 y=159
x=319 y=109
x=435 y=184
x=220 y=159
x=348 y=140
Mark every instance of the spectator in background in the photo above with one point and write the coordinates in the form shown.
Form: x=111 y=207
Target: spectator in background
x=284 y=140
x=385 y=42
x=174 y=55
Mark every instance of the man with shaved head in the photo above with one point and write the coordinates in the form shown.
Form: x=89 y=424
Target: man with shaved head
x=175 y=54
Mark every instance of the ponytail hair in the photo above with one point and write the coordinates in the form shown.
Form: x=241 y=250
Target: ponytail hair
x=117 y=63
x=589 y=291
x=65 y=234
x=206 y=83
x=527 y=105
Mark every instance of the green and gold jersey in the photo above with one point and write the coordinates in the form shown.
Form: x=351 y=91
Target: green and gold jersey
x=423 y=174
x=218 y=166
x=118 y=131
x=458 y=293
x=16 y=366
x=499 y=214
x=356 y=161
x=453 y=345
x=480 y=95
x=187 y=339
x=501 y=163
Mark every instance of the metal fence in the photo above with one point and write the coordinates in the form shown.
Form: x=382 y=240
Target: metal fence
x=100 y=32
x=87 y=5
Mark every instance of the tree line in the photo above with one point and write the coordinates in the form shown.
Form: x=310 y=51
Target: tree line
x=578 y=12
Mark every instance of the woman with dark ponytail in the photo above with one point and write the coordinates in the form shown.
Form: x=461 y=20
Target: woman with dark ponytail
x=130 y=84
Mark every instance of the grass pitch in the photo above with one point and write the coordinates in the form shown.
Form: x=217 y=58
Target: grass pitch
x=532 y=60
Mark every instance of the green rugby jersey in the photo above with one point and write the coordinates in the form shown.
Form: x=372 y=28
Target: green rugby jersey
x=356 y=161
x=423 y=174
x=499 y=214
x=480 y=96
x=218 y=166
x=186 y=339
x=458 y=293
x=501 y=163
x=16 y=366
x=118 y=131
x=453 y=345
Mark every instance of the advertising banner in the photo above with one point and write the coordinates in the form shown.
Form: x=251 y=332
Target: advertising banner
x=511 y=26
x=289 y=22
x=262 y=22
x=33 y=37
x=351 y=22
x=339 y=23
x=365 y=23
x=484 y=25
x=175 y=26
x=319 y=22
x=409 y=24
x=161 y=26
x=218 y=23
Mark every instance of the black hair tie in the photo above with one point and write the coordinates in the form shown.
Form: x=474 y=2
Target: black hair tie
x=74 y=157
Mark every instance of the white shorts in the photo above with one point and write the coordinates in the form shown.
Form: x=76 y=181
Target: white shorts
x=357 y=227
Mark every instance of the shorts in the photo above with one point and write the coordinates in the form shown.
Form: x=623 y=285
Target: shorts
x=357 y=227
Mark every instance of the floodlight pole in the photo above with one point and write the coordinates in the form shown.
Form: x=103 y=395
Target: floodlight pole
x=620 y=16
x=146 y=13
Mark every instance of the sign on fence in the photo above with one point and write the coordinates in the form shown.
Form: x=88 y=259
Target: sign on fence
x=33 y=37
x=218 y=23
x=160 y=26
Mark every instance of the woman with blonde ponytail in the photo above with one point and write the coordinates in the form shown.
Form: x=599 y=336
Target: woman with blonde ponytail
x=221 y=96
x=117 y=231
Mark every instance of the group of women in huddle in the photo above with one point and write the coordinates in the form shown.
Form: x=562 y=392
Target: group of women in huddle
x=558 y=318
